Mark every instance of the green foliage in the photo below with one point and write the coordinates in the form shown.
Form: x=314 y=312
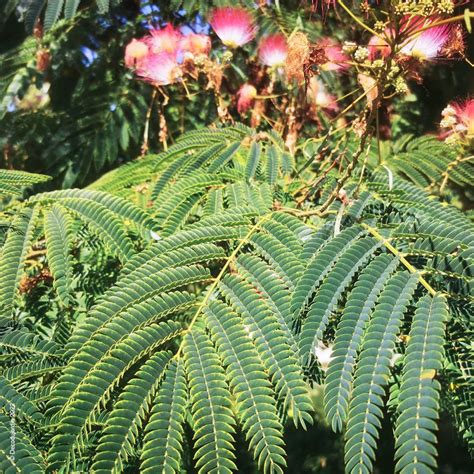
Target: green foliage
x=11 y=181
x=426 y=161
x=14 y=253
x=225 y=294
x=419 y=390
x=53 y=10
x=58 y=235
x=163 y=440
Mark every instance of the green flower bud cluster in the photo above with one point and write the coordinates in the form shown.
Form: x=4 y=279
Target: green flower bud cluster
x=401 y=87
x=424 y=7
x=361 y=54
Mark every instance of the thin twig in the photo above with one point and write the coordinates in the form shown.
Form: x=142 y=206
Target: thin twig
x=144 y=149
x=219 y=277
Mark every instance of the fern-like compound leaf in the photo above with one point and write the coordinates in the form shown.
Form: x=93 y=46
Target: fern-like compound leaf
x=257 y=409
x=24 y=408
x=13 y=256
x=271 y=344
x=95 y=388
x=331 y=290
x=253 y=160
x=12 y=181
x=108 y=335
x=318 y=267
x=26 y=458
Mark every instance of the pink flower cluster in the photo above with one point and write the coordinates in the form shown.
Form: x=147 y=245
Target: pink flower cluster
x=155 y=57
x=425 y=40
x=458 y=121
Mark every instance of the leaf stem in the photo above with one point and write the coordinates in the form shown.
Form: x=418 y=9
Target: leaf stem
x=358 y=20
x=219 y=277
x=403 y=260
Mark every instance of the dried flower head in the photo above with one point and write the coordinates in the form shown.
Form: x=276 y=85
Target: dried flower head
x=233 y=25
x=369 y=84
x=298 y=56
x=456 y=45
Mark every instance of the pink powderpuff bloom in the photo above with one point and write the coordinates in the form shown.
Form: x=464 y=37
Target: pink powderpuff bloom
x=195 y=44
x=159 y=69
x=233 y=25
x=164 y=40
x=429 y=43
x=245 y=98
x=135 y=52
x=465 y=115
x=337 y=59
x=319 y=97
x=273 y=50
x=458 y=117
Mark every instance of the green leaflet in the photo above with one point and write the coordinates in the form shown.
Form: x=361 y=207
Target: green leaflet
x=58 y=233
x=27 y=457
x=53 y=11
x=249 y=383
x=272 y=346
x=318 y=267
x=253 y=160
x=372 y=372
x=20 y=343
x=163 y=442
x=12 y=257
x=349 y=335
x=12 y=181
x=331 y=290
x=128 y=416
x=212 y=417
x=418 y=400
x=111 y=334
x=23 y=407
x=95 y=389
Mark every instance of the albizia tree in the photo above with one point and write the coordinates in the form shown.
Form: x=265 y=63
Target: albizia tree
x=275 y=272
